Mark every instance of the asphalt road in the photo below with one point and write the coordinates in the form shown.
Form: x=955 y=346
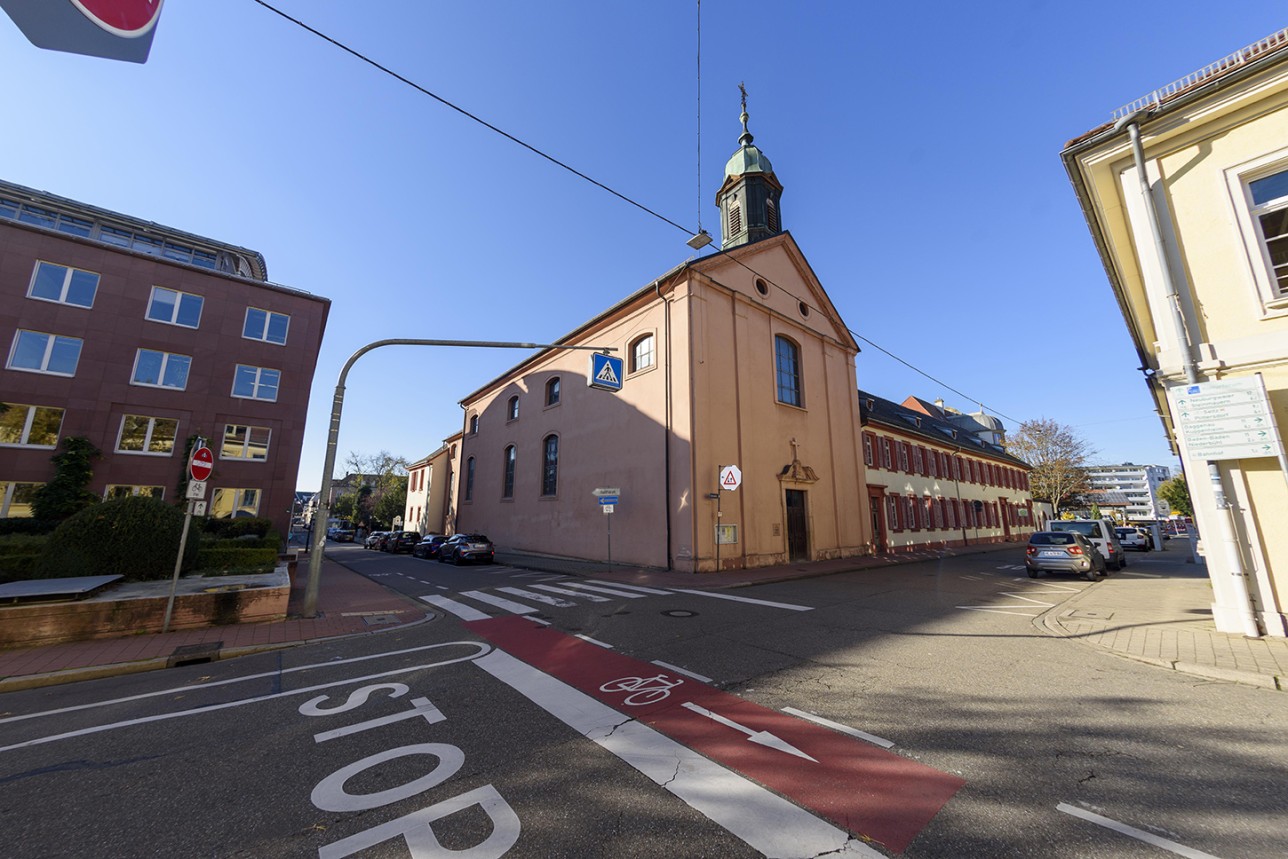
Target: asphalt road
x=483 y=734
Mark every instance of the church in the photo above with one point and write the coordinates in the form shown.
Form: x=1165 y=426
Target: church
x=739 y=359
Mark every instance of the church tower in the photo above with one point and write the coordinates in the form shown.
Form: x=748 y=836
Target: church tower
x=749 y=197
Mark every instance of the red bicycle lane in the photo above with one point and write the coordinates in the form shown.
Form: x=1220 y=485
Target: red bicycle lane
x=868 y=791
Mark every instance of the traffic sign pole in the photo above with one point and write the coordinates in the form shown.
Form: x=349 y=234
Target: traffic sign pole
x=200 y=466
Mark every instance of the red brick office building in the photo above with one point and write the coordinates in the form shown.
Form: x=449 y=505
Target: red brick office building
x=139 y=337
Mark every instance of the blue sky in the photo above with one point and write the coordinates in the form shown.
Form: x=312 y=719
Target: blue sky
x=918 y=145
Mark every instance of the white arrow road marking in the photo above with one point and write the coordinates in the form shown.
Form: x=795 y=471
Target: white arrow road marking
x=764 y=738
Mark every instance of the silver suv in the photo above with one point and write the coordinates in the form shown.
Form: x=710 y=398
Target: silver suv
x=1101 y=533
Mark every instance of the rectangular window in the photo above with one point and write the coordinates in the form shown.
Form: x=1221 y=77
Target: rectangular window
x=256 y=383
x=142 y=434
x=902 y=450
x=885 y=453
x=266 y=325
x=910 y=513
x=868 y=457
x=64 y=285
x=892 y=512
x=38 y=352
x=29 y=426
x=244 y=442
x=1269 y=197
x=932 y=460
x=116 y=490
x=234 y=503
x=161 y=369
x=788 y=371
x=939 y=513
x=918 y=461
x=950 y=510
x=16 y=499
x=175 y=308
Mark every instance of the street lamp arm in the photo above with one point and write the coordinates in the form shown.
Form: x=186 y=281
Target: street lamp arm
x=318 y=542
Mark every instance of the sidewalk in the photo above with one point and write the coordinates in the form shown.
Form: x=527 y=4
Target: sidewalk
x=348 y=604
x=1163 y=620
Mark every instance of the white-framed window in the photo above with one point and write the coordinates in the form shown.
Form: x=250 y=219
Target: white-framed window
x=1259 y=197
x=16 y=498
x=29 y=426
x=147 y=435
x=245 y=442
x=40 y=352
x=642 y=353
x=161 y=369
x=175 y=308
x=64 y=285
x=266 y=325
x=118 y=490
x=256 y=383
x=234 y=503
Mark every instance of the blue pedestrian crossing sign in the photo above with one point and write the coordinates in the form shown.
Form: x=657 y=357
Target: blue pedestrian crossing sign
x=605 y=372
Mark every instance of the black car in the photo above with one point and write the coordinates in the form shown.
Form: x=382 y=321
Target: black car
x=467 y=547
x=401 y=541
x=428 y=546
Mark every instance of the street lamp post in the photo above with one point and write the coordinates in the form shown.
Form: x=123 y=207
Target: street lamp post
x=318 y=536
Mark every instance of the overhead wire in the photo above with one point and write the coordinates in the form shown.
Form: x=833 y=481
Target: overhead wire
x=466 y=113
x=553 y=160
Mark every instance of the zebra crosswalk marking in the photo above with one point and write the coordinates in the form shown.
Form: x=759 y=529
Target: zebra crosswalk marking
x=610 y=591
x=570 y=593
x=542 y=598
x=499 y=602
x=451 y=606
x=639 y=588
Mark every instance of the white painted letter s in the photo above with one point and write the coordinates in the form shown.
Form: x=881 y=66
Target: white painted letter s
x=357 y=698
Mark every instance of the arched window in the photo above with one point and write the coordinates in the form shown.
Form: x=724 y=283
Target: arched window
x=787 y=364
x=550 y=466
x=552 y=392
x=474 y=424
x=507 y=487
x=512 y=411
x=469 y=479
x=642 y=353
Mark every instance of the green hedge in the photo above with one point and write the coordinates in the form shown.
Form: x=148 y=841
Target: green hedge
x=226 y=557
x=137 y=538
x=224 y=529
x=27 y=526
x=16 y=568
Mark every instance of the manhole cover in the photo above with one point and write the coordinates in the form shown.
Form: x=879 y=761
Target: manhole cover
x=1090 y=615
x=379 y=619
x=679 y=612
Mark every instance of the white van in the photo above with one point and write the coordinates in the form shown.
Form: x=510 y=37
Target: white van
x=1101 y=533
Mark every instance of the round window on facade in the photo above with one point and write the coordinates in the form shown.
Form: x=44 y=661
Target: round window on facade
x=762 y=287
x=804 y=309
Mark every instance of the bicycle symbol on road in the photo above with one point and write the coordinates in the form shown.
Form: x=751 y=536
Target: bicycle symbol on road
x=644 y=690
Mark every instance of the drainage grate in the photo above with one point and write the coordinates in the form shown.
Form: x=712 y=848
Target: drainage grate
x=194 y=654
x=380 y=619
x=1089 y=615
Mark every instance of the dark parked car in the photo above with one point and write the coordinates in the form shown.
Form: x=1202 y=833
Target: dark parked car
x=1064 y=552
x=373 y=539
x=467 y=547
x=428 y=546
x=401 y=541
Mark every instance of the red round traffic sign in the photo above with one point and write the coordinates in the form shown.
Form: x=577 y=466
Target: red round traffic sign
x=121 y=17
x=202 y=464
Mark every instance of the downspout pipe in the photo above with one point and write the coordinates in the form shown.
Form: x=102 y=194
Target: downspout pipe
x=1225 y=519
x=666 y=443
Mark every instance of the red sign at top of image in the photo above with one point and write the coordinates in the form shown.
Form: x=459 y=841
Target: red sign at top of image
x=203 y=463
x=122 y=17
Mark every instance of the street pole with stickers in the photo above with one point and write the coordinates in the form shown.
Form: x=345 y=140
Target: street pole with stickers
x=200 y=466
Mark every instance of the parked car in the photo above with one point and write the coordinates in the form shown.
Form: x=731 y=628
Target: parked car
x=373 y=539
x=379 y=543
x=401 y=541
x=1064 y=552
x=1135 y=538
x=428 y=546
x=1100 y=532
x=467 y=547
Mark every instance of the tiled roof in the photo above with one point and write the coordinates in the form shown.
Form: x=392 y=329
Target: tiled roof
x=883 y=412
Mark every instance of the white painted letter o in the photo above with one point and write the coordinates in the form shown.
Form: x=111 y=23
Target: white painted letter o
x=330 y=794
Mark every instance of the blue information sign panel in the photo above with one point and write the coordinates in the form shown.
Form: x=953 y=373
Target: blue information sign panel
x=605 y=372
x=608 y=499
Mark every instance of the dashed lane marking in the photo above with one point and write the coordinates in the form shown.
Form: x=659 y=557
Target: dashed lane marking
x=837 y=726
x=749 y=600
x=695 y=675
x=1133 y=832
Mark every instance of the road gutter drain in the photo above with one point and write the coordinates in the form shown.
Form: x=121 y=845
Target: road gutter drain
x=194 y=654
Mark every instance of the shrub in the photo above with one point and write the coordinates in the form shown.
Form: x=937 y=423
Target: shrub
x=134 y=537
x=15 y=567
x=27 y=526
x=226 y=558
x=65 y=494
x=228 y=528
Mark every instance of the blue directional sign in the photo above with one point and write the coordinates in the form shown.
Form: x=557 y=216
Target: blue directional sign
x=608 y=499
x=605 y=372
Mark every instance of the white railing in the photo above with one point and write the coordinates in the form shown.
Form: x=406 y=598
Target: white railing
x=1212 y=70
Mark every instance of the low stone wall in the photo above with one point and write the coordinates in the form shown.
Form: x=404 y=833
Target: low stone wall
x=217 y=604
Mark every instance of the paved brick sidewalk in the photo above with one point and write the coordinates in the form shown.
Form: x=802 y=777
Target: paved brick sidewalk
x=348 y=604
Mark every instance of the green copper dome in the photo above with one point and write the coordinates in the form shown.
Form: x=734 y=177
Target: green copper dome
x=748 y=159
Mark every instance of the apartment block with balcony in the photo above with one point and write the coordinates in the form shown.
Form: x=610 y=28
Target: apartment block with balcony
x=1139 y=483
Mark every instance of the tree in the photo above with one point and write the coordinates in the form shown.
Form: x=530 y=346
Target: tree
x=65 y=494
x=344 y=506
x=392 y=504
x=1176 y=492
x=384 y=473
x=1058 y=457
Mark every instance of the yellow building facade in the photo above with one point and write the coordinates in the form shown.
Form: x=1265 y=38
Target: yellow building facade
x=1197 y=256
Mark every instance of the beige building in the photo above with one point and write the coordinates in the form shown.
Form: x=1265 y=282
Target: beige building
x=939 y=478
x=431 y=490
x=1197 y=256
x=738 y=358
